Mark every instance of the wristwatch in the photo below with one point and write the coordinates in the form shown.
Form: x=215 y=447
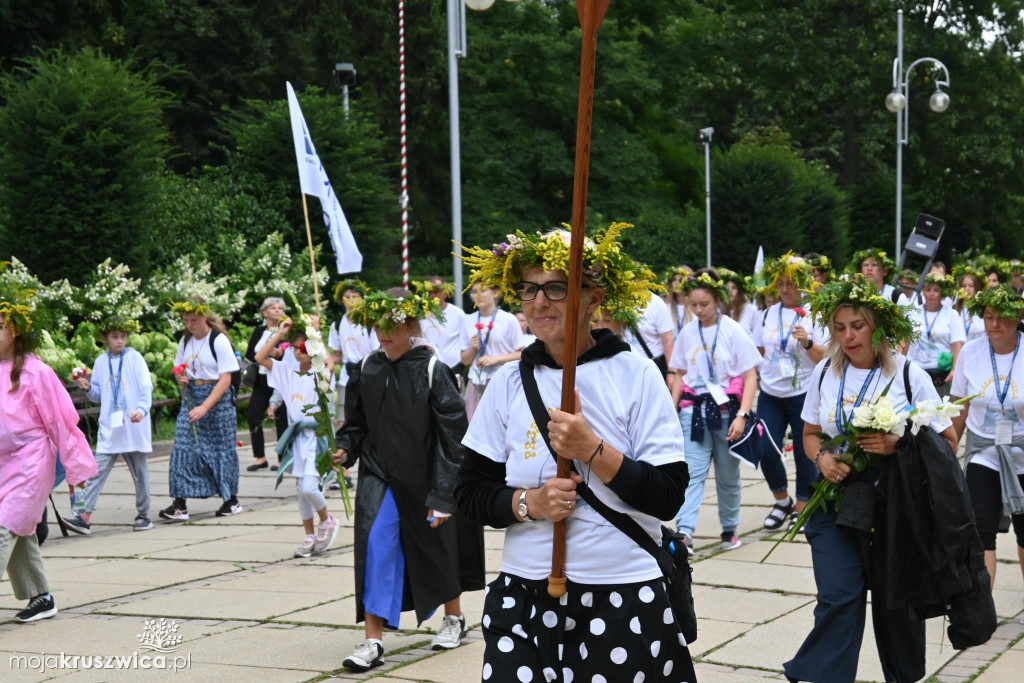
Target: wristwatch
x=742 y=413
x=522 y=509
x=808 y=345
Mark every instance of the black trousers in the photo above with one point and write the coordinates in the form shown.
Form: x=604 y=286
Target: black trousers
x=257 y=411
x=985 y=488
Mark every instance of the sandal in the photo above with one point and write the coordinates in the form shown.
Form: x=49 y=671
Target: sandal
x=778 y=514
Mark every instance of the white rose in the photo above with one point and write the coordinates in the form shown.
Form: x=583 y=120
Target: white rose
x=862 y=416
x=315 y=348
x=886 y=418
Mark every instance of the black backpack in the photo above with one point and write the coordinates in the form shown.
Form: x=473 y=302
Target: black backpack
x=236 y=376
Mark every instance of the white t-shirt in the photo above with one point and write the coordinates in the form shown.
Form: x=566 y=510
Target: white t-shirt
x=734 y=353
x=199 y=359
x=974 y=326
x=505 y=337
x=778 y=368
x=355 y=342
x=446 y=337
x=135 y=393
x=973 y=375
x=637 y=419
x=297 y=391
x=655 y=321
x=946 y=328
x=887 y=291
x=822 y=404
x=747 y=318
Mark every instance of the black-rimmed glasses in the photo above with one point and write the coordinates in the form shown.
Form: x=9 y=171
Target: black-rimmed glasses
x=555 y=290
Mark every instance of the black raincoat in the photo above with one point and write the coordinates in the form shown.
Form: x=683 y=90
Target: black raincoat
x=407 y=436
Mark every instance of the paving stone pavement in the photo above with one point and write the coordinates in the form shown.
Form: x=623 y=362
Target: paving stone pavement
x=245 y=609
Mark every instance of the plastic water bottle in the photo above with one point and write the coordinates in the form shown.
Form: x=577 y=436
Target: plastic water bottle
x=77 y=502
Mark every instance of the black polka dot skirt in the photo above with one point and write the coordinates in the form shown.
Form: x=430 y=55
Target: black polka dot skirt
x=622 y=633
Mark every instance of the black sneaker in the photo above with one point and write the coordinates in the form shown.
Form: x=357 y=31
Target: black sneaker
x=39 y=607
x=230 y=507
x=142 y=523
x=366 y=656
x=78 y=525
x=173 y=513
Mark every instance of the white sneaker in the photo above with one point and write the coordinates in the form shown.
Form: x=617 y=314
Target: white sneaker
x=326 y=532
x=366 y=656
x=453 y=630
x=306 y=548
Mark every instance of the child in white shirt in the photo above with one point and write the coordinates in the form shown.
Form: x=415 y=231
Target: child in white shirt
x=122 y=385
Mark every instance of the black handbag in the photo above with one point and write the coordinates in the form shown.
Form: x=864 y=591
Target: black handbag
x=670 y=554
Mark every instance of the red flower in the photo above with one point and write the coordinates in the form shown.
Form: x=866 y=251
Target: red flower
x=799 y=311
x=480 y=326
x=490 y=326
x=178 y=369
x=302 y=347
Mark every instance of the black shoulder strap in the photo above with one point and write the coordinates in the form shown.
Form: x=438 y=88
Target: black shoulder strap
x=640 y=338
x=213 y=349
x=764 y=318
x=620 y=521
x=895 y=296
x=824 y=369
x=906 y=382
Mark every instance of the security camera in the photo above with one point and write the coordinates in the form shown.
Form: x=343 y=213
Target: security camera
x=706 y=133
x=344 y=74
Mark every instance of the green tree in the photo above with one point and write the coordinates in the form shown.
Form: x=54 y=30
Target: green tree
x=82 y=144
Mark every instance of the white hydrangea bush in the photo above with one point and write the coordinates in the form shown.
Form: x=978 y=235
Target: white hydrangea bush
x=110 y=290
x=191 y=276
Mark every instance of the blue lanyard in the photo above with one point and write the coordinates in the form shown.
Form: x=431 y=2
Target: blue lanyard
x=969 y=321
x=1001 y=393
x=710 y=358
x=929 y=328
x=483 y=343
x=115 y=382
x=783 y=341
x=840 y=414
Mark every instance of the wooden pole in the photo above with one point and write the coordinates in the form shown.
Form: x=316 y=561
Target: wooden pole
x=591 y=14
x=312 y=260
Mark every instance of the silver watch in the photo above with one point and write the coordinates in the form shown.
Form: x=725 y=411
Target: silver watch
x=522 y=509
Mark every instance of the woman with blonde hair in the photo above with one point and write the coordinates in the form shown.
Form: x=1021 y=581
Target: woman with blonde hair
x=204 y=462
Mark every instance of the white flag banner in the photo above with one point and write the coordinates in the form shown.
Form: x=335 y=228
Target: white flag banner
x=313 y=181
x=758 y=264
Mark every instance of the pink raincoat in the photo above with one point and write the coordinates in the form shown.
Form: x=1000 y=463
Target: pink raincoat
x=36 y=421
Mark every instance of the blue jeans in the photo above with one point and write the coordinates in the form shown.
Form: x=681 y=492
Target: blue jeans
x=777 y=413
x=830 y=651
x=727 y=477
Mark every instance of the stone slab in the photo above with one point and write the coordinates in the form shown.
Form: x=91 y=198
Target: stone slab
x=229 y=550
x=461 y=665
x=751 y=519
x=744 y=606
x=117 y=546
x=721 y=571
x=326 y=581
x=1006 y=669
x=72 y=593
x=216 y=603
x=151 y=571
x=293 y=534
x=712 y=633
x=787 y=554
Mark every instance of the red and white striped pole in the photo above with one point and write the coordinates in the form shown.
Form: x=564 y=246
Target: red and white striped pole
x=405 y=165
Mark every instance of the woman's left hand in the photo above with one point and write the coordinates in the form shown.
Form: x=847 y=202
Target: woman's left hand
x=571 y=435
x=878 y=443
x=800 y=334
x=136 y=416
x=487 y=361
x=434 y=520
x=197 y=413
x=736 y=428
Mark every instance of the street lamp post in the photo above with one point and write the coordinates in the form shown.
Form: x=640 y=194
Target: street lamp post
x=898 y=102
x=705 y=137
x=344 y=76
x=456 y=49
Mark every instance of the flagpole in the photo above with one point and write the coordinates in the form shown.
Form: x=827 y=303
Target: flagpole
x=312 y=260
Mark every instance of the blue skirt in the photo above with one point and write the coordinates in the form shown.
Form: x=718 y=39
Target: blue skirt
x=384 y=578
x=207 y=466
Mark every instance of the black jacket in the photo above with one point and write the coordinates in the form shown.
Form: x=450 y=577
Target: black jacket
x=407 y=436
x=924 y=553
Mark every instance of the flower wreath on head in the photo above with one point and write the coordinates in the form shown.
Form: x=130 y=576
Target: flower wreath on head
x=705 y=281
x=1001 y=298
x=354 y=284
x=189 y=307
x=987 y=263
x=820 y=262
x=895 y=325
x=795 y=268
x=1016 y=266
x=628 y=318
x=118 y=323
x=945 y=282
x=853 y=265
x=387 y=311
x=962 y=269
x=14 y=304
x=728 y=276
x=425 y=287
x=627 y=284
x=681 y=271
